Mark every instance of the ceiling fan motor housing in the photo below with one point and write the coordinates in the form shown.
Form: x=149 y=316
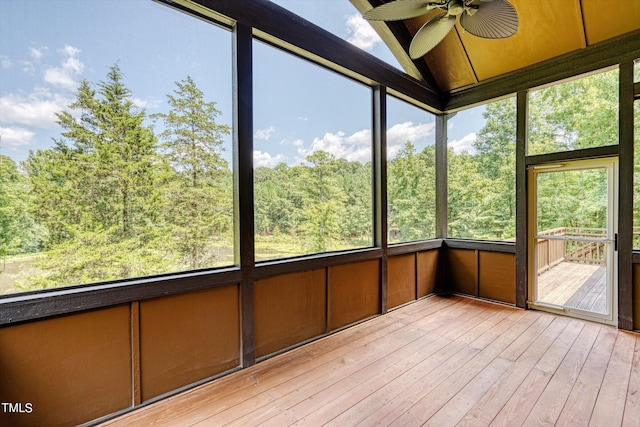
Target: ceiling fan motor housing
x=455 y=7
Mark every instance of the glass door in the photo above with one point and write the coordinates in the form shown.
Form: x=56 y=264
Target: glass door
x=572 y=224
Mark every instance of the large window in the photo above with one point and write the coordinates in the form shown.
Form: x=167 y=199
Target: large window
x=342 y=19
x=115 y=143
x=411 y=176
x=481 y=172
x=312 y=158
x=581 y=113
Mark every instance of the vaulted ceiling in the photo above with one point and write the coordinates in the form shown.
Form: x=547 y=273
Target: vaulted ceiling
x=547 y=29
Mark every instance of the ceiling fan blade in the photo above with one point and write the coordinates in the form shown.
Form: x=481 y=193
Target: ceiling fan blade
x=401 y=9
x=431 y=34
x=497 y=19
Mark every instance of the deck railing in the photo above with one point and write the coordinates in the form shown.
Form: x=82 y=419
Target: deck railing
x=552 y=252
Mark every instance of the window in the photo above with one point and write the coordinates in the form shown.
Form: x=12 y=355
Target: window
x=312 y=158
x=636 y=71
x=411 y=175
x=104 y=175
x=581 y=113
x=342 y=19
x=481 y=172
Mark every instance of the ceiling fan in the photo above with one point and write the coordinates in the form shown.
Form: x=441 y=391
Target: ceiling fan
x=489 y=19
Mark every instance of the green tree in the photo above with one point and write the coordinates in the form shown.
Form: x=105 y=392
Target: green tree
x=199 y=197
x=19 y=232
x=411 y=194
x=96 y=190
x=354 y=180
x=278 y=200
x=324 y=209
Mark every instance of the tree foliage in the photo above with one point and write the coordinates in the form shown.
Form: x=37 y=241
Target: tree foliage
x=113 y=199
x=199 y=194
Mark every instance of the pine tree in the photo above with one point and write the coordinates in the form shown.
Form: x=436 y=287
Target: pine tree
x=96 y=190
x=200 y=195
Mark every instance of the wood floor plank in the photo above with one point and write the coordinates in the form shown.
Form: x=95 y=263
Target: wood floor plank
x=364 y=362
x=361 y=384
x=549 y=405
x=518 y=407
x=631 y=416
x=451 y=355
x=579 y=405
x=456 y=408
x=490 y=404
x=610 y=405
x=427 y=404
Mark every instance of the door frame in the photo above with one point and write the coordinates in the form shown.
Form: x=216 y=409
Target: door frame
x=611 y=165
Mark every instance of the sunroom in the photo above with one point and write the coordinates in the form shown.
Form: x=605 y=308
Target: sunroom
x=277 y=212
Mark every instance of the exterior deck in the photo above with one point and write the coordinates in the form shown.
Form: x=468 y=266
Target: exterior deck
x=574 y=285
x=439 y=361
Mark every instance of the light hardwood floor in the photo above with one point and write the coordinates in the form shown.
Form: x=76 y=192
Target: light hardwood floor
x=442 y=361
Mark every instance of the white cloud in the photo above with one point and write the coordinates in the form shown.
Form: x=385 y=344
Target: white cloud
x=362 y=137
x=145 y=103
x=298 y=143
x=71 y=67
x=28 y=67
x=35 y=53
x=464 y=144
x=400 y=133
x=13 y=137
x=264 y=134
x=266 y=159
x=5 y=62
x=361 y=34
x=355 y=147
x=39 y=108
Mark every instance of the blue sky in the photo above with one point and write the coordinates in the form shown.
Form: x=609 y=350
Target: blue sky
x=48 y=46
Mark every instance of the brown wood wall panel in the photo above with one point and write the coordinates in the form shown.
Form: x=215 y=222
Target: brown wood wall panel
x=354 y=292
x=462 y=271
x=636 y=297
x=402 y=280
x=289 y=309
x=71 y=369
x=497 y=276
x=189 y=337
x=427 y=272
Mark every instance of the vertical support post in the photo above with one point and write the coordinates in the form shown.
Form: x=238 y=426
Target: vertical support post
x=522 y=215
x=441 y=176
x=380 y=186
x=243 y=182
x=625 y=200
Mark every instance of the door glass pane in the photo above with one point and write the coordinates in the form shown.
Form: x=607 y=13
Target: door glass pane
x=571 y=246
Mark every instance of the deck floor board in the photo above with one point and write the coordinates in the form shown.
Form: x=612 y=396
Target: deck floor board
x=441 y=361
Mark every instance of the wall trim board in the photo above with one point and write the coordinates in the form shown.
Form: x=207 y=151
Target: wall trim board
x=488 y=246
x=48 y=303
x=405 y=248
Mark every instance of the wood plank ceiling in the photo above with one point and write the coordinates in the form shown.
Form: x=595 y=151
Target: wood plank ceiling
x=547 y=29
